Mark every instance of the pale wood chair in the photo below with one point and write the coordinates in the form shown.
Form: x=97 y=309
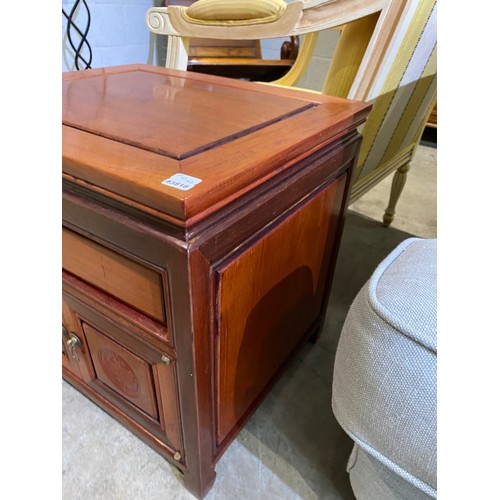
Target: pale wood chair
x=237 y=58
x=386 y=55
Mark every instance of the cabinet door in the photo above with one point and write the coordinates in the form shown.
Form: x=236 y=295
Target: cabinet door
x=132 y=379
x=73 y=350
x=122 y=371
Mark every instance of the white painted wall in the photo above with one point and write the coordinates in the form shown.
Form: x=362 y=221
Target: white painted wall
x=117 y=35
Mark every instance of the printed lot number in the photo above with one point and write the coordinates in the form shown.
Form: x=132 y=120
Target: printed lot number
x=181 y=181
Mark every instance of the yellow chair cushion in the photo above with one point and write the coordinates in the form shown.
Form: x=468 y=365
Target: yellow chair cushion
x=234 y=12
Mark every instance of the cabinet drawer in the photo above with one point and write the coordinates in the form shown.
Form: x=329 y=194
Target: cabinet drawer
x=135 y=284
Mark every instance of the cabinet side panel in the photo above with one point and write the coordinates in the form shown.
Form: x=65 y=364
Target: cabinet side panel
x=268 y=298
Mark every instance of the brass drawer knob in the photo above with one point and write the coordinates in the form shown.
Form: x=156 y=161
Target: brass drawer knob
x=72 y=343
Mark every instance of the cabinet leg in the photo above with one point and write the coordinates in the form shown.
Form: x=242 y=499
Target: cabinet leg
x=198 y=483
x=398 y=183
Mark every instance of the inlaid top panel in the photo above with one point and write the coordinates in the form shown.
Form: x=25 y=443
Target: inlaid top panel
x=182 y=145
x=175 y=117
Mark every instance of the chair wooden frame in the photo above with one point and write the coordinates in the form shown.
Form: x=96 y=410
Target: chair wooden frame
x=237 y=58
x=315 y=16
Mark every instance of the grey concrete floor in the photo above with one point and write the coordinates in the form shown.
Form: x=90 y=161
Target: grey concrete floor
x=292 y=447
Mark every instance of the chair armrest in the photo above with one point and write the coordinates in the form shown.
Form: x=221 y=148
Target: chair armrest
x=303 y=17
x=299 y=18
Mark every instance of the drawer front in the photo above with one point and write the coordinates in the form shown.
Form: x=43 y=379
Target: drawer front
x=133 y=283
x=113 y=360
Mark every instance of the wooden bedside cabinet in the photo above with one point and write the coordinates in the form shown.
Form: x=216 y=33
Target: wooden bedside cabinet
x=201 y=222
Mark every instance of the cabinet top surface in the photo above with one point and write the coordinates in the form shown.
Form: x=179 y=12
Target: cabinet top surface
x=127 y=129
x=168 y=115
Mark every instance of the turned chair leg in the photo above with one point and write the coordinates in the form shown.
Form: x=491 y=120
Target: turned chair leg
x=398 y=183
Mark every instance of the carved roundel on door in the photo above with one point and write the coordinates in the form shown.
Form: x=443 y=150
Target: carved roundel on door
x=119 y=372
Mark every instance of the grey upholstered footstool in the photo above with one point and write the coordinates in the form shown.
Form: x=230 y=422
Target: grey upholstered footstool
x=384 y=382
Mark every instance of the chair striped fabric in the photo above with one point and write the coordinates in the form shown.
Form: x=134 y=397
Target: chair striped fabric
x=386 y=54
x=403 y=94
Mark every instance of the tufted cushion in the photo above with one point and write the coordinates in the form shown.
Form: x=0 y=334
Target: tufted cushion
x=232 y=13
x=384 y=382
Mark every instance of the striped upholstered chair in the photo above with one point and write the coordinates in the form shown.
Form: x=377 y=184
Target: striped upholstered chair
x=386 y=54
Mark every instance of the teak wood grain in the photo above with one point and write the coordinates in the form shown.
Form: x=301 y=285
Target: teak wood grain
x=182 y=308
x=268 y=297
x=130 y=281
x=265 y=129
x=121 y=370
x=164 y=103
x=154 y=405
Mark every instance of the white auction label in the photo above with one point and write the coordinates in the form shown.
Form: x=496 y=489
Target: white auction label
x=181 y=181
